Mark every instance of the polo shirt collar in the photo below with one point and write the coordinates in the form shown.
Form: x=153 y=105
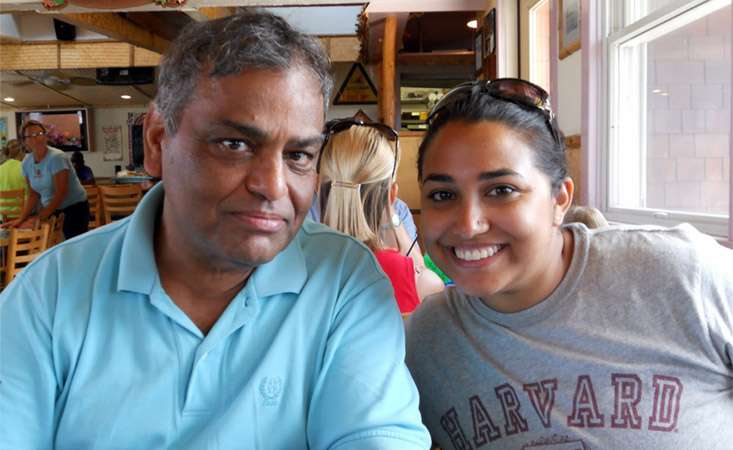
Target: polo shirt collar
x=286 y=273
x=138 y=270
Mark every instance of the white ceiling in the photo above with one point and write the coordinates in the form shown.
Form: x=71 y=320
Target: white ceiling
x=29 y=94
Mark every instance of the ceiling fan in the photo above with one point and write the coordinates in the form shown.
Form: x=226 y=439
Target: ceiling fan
x=53 y=79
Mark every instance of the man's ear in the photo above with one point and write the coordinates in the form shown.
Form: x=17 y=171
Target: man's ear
x=154 y=135
x=563 y=200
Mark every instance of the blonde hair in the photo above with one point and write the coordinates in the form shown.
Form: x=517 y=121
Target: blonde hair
x=356 y=177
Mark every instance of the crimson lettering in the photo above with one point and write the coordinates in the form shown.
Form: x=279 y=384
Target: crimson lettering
x=666 y=409
x=451 y=425
x=585 y=408
x=484 y=429
x=513 y=420
x=627 y=395
x=542 y=396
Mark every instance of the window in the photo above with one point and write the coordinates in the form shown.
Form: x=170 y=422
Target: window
x=669 y=91
x=539 y=44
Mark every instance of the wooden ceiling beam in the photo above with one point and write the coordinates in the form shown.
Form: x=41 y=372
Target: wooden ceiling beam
x=210 y=13
x=114 y=26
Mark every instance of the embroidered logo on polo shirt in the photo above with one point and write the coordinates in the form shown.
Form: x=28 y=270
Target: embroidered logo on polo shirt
x=271 y=389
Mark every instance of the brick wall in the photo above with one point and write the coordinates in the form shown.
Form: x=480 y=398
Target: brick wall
x=688 y=121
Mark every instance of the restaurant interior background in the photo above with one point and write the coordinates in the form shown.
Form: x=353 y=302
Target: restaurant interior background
x=393 y=59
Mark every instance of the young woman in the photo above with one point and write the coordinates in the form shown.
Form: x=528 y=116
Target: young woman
x=52 y=182
x=558 y=336
x=358 y=193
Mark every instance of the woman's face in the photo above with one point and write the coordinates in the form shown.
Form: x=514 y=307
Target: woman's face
x=35 y=138
x=489 y=218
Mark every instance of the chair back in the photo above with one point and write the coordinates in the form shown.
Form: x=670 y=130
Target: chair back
x=11 y=203
x=95 y=206
x=119 y=200
x=23 y=247
x=587 y=215
x=56 y=230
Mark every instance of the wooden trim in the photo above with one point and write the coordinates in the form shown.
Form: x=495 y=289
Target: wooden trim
x=114 y=26
x=445 y=58
x=389 y=72
x=412 y=133
x=572 y=141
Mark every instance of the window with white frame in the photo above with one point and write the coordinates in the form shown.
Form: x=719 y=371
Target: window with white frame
x=539 y=44
x=669 y=91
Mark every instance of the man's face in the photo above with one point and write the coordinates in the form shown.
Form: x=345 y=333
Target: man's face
x=240 y=172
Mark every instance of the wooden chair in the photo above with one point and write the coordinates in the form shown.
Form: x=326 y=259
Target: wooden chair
x=95 y=206
x=56 y=230
x=119 y=200
x=11 y=203
x=23 y=247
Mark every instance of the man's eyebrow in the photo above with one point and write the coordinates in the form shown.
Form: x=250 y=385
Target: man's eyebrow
x=260 y=135
x=312 y=141
x=243 y=128
x=442 y=178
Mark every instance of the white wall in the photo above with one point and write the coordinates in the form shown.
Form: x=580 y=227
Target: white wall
x=109 y=117
x=568 y=98
x=39 y=27
x=507 y=16
x=9 y=26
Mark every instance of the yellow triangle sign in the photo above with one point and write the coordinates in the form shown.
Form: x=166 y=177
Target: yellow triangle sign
x=357 y=88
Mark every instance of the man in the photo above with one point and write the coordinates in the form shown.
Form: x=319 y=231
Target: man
x=210 y=318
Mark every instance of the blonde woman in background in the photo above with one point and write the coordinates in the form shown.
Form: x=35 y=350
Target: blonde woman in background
x=11 y=174
x=358 y=191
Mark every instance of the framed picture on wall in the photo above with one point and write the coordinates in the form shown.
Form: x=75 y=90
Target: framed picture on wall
x=569 y=27
x=490 y=33
x=478 y=43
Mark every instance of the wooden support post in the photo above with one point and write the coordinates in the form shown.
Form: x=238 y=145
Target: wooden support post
x=387 y=87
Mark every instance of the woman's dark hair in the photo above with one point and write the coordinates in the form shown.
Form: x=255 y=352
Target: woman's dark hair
x=528 y=122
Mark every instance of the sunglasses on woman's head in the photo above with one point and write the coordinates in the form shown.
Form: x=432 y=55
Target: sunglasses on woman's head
x=338 y=125
x=513 y=90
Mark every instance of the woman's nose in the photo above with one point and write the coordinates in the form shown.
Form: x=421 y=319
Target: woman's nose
x=471 y=220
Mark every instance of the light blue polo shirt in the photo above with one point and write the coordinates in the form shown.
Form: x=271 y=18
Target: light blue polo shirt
x=310 y=354
x=40 y=175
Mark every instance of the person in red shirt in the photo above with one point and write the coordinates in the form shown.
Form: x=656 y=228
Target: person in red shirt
x=358 y=192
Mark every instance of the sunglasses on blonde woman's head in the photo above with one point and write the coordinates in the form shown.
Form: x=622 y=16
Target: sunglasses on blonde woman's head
x=338 y=125
x=513 y=90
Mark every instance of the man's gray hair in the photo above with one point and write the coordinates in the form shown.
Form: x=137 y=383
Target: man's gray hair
x=231 y=45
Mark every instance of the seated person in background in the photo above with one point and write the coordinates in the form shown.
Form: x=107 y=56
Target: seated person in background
x=84 y=172
x=558 y=336
x=11 y=174
x=358 y=191
x=213 y=317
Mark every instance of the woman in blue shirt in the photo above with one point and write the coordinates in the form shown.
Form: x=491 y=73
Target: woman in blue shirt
x=52 y=181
